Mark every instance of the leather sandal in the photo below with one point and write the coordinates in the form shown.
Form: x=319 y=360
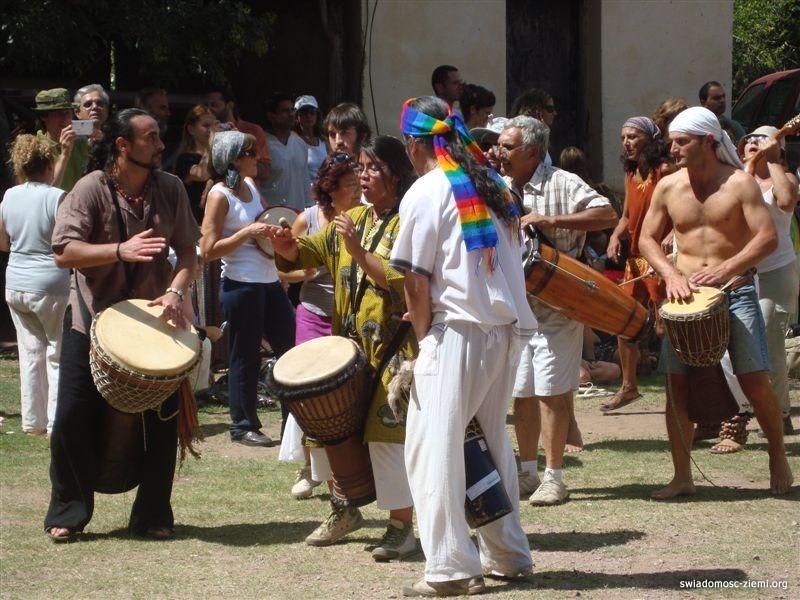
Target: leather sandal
x=62 y=538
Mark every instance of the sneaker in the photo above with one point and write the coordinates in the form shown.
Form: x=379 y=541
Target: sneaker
x=304 y=485
x=527 y=483
x=397 y=543
x=457 y=587
x=550 y=492
x=339 y=523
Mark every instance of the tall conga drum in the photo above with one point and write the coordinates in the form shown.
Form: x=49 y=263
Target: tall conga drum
x=326 y=383
x=582 y=294
x=137 y=361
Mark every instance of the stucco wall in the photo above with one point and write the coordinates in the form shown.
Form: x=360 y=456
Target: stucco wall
x=412 y=37
x=655 y=50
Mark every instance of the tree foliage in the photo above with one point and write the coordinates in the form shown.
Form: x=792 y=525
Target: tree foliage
x=766 y=38
x=167 y=38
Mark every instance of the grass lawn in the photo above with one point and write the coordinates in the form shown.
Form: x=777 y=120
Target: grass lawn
x=240 y=534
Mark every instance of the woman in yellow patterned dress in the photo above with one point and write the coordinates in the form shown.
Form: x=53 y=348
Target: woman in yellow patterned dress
x=368 y=307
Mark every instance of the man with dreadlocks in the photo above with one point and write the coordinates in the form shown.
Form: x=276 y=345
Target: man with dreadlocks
x=459 y=245
x=113 y=230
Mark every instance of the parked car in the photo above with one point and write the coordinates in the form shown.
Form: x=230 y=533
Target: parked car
x=772 y=100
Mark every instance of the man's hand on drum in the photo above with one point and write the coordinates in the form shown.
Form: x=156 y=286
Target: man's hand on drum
x=536 y=220
x=711 y=276
x=678 y=287
x=173 y=309
x=347 y=229
x=141 y=247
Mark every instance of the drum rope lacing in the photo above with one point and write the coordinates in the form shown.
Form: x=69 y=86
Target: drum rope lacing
x=591 y=285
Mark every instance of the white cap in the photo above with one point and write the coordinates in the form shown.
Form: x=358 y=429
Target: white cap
x=306 y=101
x=493 y=129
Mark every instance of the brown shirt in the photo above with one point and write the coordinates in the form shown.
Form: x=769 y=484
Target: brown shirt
x=88 y=214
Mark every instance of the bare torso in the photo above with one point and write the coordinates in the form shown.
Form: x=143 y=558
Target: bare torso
x=709 y=224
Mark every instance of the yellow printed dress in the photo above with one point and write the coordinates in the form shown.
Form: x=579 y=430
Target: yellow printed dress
x=380 y=312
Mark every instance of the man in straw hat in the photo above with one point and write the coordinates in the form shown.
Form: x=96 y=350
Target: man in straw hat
x=56 y=111
x=722 y=230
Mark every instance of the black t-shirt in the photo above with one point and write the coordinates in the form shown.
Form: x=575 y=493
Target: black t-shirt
x=194 y=190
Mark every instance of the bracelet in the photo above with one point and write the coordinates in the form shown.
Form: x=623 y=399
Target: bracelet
x=175 y=291
x=119 y=256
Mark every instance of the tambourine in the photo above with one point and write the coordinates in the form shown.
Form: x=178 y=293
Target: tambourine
x=283 y=216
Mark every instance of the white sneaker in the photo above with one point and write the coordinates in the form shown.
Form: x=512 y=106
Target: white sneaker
x=550 y=492
x=339 y=523
x=304 y=485
x=397 y=543
x=527 y=483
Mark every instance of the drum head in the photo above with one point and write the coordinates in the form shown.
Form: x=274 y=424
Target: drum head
x=702 y=300
x=273 y=216
x=132 y=334
x=315 y=361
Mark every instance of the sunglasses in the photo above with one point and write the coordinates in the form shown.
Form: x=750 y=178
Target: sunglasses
x=89 y=103
x=247 y=154
x=755 y=137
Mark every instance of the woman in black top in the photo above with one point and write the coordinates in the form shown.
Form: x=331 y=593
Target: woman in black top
x=190 y=166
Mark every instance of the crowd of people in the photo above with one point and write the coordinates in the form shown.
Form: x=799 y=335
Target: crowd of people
x=412 y=248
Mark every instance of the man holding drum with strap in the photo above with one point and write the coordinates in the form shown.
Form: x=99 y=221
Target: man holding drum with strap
x=722 y=229
x=113 y=229
x=562 y=207
x=465 y=289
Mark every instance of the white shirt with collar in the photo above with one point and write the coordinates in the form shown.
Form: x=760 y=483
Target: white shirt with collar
x=552 y=191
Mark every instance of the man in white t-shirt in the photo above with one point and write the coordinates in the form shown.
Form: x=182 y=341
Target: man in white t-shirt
x=470 y=313
x=563 y=208
x=288 y=183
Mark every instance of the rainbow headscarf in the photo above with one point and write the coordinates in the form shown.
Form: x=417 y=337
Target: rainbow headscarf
x=473 y=214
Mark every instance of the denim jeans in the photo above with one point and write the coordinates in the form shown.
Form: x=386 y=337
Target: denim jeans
x=253 y=311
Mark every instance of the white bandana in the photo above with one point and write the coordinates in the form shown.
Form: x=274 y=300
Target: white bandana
x=698 y=120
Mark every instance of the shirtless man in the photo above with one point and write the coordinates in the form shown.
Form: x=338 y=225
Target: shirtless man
x=722 y=228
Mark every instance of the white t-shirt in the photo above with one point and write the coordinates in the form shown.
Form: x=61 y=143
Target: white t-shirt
x=288 y=183
x=430 y=242
x=247 y=263
x=316 y=154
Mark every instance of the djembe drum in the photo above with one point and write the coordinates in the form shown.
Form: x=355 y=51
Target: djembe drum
x=276 y=215
x=698 y=328
x=137 y=361
x=326 y=383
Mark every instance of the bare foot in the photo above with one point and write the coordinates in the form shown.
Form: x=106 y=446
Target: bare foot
x=674 y=488
x=574 y=438
x=780 y=475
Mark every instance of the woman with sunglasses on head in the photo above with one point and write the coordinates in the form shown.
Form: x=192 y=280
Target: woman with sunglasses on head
x=368 y=308
x=777 y=274
x=336 y=190
x=253 y=300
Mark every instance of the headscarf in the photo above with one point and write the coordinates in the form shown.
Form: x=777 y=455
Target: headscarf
x=477 y=227
x=226 y=148
x=645 y=124
x=698 y=120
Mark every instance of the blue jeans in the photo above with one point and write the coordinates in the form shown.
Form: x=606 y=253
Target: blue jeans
x=253 y=311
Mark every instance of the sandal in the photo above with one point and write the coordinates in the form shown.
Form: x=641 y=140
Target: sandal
x=733 y=435
x=62 y=538
x=618 y=401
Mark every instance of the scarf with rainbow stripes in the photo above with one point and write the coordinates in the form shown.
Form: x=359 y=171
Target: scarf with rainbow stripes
x=477 y=227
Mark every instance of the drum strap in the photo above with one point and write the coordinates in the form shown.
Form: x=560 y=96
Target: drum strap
x=357 y=289
x=130 y=268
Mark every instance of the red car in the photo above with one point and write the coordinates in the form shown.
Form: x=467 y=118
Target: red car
x=772 y=100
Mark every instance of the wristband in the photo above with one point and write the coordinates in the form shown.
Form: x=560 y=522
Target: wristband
x=119 y=256
x=175 y=291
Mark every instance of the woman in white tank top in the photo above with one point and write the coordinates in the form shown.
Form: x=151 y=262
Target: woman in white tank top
x=777 y=274
x=253 y=299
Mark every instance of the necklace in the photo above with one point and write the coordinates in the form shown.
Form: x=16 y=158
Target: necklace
x=132 y=199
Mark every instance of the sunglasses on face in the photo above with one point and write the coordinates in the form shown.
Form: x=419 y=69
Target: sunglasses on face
x=89 y=103
x=755 y=138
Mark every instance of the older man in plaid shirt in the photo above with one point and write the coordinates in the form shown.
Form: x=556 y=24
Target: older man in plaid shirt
x=563 y=208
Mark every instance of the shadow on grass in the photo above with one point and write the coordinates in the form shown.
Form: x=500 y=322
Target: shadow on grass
x=583 y=580
x=9 y=415
x=616 y=445
x=263 y=534
x=581 y=541
x=212 y=429
x=705 y=493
